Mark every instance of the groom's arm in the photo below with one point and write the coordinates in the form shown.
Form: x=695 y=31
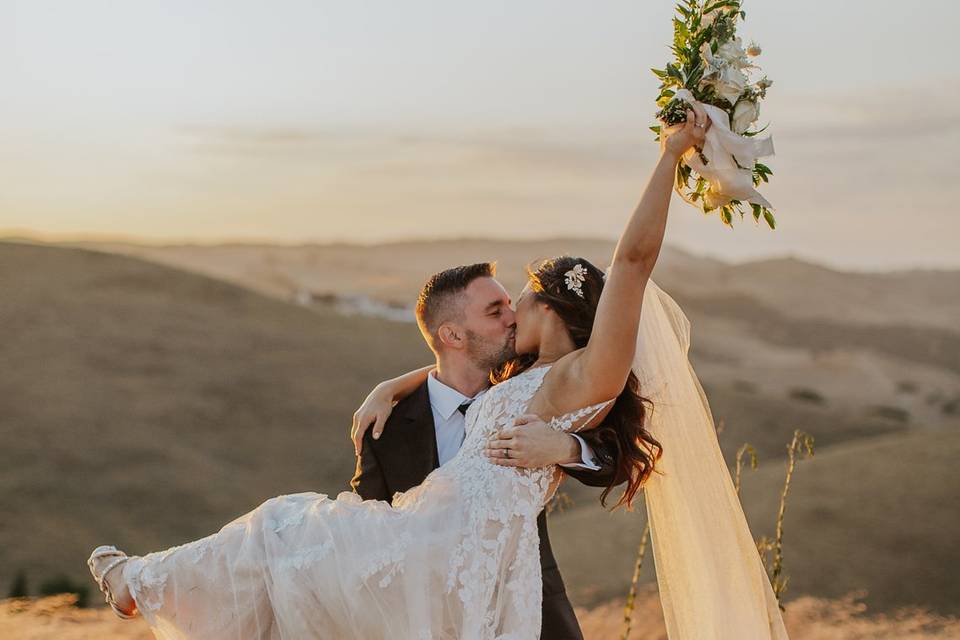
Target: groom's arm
x=603 y=459
x=368 y=479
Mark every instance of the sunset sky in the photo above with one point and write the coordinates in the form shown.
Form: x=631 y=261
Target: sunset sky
x=296 y=121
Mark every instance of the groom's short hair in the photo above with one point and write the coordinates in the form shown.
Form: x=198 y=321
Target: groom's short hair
x=439 y=302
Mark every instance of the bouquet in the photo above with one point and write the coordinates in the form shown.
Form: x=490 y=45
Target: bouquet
x=711 y=66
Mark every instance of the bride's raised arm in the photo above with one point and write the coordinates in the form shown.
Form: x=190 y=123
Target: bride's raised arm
x=605 y=361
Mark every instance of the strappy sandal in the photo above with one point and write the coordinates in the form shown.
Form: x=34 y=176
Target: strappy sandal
x=105 y=551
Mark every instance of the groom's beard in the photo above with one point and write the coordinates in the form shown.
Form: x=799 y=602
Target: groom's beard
x=488 y=355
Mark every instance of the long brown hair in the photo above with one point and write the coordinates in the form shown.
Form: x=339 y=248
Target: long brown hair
x=624 y=427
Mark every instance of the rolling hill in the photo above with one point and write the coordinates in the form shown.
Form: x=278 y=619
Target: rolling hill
x=143 y=406
x=146 y=405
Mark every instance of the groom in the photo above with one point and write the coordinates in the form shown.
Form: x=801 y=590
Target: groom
x=465 y=316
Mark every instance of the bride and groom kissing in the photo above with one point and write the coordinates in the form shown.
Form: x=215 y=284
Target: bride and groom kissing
x=467 y=320
x=452 y=542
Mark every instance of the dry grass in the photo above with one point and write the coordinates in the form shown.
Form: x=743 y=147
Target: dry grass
x=145 y=407
x=54 y=618
x=806 y=618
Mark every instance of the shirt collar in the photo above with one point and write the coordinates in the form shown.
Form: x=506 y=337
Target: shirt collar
x=445 y=400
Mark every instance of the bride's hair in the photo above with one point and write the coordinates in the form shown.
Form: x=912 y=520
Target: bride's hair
x=624 y=426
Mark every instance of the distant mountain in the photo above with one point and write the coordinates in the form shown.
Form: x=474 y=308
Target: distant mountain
x=859 y=339
x=395 y=271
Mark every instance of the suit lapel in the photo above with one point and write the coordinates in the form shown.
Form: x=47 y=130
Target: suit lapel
x=419 y=416
x=409 y=454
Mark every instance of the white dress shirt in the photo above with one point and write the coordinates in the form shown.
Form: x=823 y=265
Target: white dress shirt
x=450 y=425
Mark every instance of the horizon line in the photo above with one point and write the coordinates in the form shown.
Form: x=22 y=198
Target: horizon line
x=75 y=239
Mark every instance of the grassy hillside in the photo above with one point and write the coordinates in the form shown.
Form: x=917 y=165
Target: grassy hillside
x=145 y=406
x=880 y=513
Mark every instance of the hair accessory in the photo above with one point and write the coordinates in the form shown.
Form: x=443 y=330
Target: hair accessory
x=575 y=278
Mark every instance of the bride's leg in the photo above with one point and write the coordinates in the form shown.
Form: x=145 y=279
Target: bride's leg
x=116 y=583
x=214 y=587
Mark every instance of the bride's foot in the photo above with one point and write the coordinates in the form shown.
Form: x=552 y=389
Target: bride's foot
x=107 y=564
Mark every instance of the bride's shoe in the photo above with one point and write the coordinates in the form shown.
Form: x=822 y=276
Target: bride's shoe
x=100 y=575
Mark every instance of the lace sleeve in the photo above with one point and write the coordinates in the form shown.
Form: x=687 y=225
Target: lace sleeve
x=574 y=421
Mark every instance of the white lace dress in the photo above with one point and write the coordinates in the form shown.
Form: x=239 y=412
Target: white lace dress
x=456 y=557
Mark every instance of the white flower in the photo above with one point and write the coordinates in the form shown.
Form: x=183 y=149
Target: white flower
x=712 y=64
x=732 y=51
x=575 y=278
x=729 y=85
x=713 y=199
x=745 y=114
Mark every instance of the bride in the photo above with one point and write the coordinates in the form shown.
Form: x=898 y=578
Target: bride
x=456 y=557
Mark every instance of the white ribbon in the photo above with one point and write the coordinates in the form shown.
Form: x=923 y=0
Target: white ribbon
x=726 y=181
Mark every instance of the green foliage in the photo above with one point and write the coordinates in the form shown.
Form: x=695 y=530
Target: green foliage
x=632 y=595
x=745 y=448
x=686 y=71
x=800 y=446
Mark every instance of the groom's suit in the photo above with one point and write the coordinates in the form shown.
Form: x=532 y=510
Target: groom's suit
x=406 y=453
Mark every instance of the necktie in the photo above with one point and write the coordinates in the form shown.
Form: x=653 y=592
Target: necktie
x=463 y=407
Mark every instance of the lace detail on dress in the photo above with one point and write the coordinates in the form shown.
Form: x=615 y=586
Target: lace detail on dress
x=503 y=504
x=280 y=525
x=566 y=422
x=307 y=557
x=147 y=588
x=390 y=561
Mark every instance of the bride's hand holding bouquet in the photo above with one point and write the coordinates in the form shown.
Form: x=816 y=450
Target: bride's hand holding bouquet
x=677 y=139
x=712 y=67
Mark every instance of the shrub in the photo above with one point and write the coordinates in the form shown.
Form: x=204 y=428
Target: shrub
x=891 y=413
x=18 y=588
x=63 y=584
x=807 y=395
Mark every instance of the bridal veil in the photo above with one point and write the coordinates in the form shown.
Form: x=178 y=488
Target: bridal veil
x=711 y=580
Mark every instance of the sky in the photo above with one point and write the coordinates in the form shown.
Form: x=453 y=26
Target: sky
x=296 y=121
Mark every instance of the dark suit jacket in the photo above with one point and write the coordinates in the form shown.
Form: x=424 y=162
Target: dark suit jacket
x=406 y=453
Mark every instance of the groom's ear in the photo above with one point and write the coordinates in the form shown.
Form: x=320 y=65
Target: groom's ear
x=450 y=336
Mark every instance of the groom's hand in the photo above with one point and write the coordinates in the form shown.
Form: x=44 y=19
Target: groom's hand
x=530 y=443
